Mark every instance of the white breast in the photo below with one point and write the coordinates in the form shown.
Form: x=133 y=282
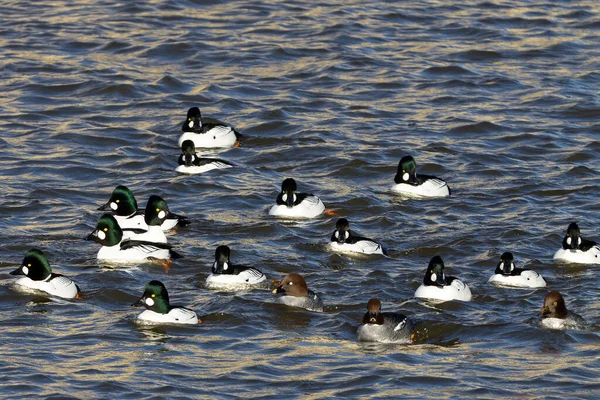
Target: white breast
x=430 y=188
x=175 y=316
x=362 y=246
x=527 y=279
x=240 y=281
x=219 y=136
x=193 y=170
x=458 y=290
x=592 y=256
x=114 y=254
x=60 y=286
x=310 y=207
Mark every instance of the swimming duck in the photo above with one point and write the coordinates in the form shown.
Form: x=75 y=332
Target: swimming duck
x=116 y=249
x=159 y=311
x=124 y=207
x=344 y=240
x=384 y=327
x=437 y=286
x=290 y=204
x=507 y=274
x=207 y=132
x=554 y=314
x=39 y=277
x=576 y=249
x=408 y=183
x=293 y=292
x=225 y=275
x=190 y=163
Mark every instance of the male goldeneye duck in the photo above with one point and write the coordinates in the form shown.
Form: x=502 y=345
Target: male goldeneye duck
x=39 y=277
x=554 y=314
x=158 y=309
x=507 y=274
x=344 y=240
x=124 y=206
x=190 y=163
x=384 y=327
x=290 y=204
x=437 y=286
x=116 y=249
x=207 y=132
x=293 y=292
x=154 y=215
x=225 y=275
x=410 y=184
x=576 y=249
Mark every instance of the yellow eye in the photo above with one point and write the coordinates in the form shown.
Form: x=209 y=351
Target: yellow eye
x=153 y=295
x=555 y=303
x=105 y=229
x=158 y=209
x=116 y=201
x=403 y=171
x=29 y=265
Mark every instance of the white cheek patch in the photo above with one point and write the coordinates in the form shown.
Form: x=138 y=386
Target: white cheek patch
x=113 y=206
x=512 y=266
x=569 y=240
x=162 y=214
x=433 y=277
x=346 y=235
x=149 y=302
x=101 y=235
x=337 y=234
x=191 y=124
x=579 y=241
x=225 y=266
x=295 y=197
x=501 y=266
x=25 y=270
x=284 y=197
x=405 y=176
x=193 y=158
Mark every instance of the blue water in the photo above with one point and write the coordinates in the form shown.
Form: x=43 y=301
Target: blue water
x=500 y=98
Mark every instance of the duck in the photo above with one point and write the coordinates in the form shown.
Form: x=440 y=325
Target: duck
x=207 y=132
x=154 y=215
x=123 y=205
x=292 y=291
x=117 y=249
x=343 y=240
x=290 y=204
x=576 y=249
x=40 y=278
x=507 y=274
x=159 y=310
x=408 y=183
x=384 y=327
x=226 y=275
x=554 y=314
x=437 y=286
x=190 y=163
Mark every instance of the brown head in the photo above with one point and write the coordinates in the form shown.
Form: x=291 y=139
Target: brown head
x=292 y=285
x=554 y=306
x=373 y=314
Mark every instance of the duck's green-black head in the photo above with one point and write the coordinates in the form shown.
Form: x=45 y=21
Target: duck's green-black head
x=506 y=264
x=122 y=202
x=35 y=266
x=434 y=276
x=222 y=265
x=288 y=191
x=572 y=240
x=342 y=230
x=407 y=170
x=155 y=298
x=156 y=211
x=193 y=122
x=107 y=232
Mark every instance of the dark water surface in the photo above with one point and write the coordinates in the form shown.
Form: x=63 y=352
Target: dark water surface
x=498 y=97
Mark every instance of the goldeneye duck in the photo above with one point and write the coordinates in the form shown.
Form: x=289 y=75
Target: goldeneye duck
x=124 y=207
x=116 y=249
x=293 y=292
x=507 y=274
x=384 y=327
x=344 y=240
x=190 y=163
x=158 y=309
x=408 y=183
x=437 y=286
x=225 y=275
x=290 y=204
x=576 y=249
x=554 y=314
x=207 y=132
x=154 y=215
x=39 y=277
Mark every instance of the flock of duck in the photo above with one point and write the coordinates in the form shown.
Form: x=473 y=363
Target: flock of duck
x=130 y=235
